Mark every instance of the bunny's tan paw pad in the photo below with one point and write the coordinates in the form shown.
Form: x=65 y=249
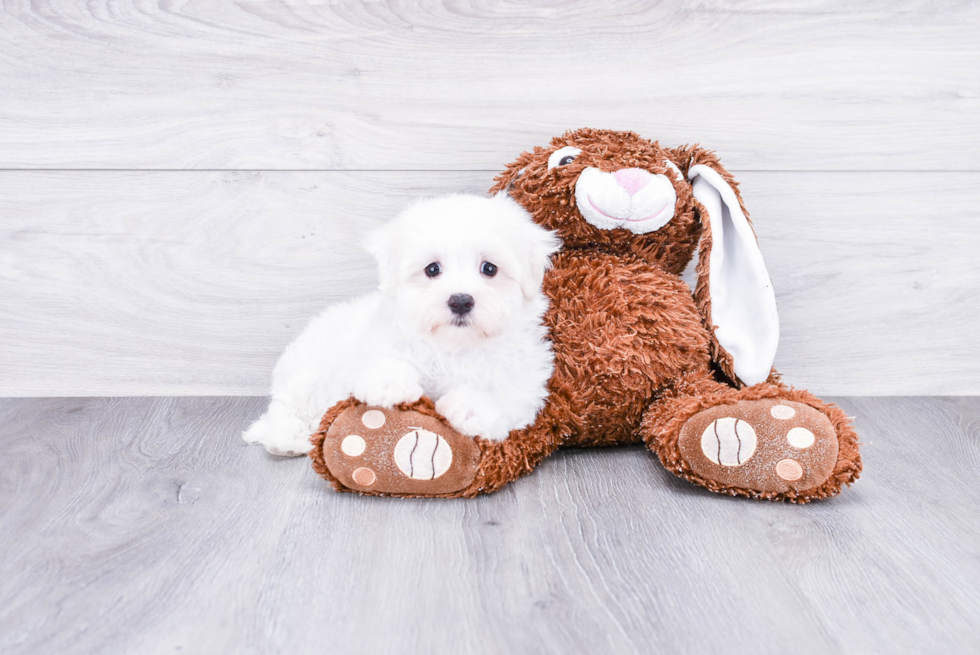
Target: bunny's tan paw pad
x=767 y=445
x=402 y=452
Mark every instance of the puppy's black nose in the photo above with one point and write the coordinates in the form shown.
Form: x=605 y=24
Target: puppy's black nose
x=461 y=303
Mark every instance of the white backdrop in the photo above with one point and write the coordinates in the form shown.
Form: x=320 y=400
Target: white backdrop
x=184 y=184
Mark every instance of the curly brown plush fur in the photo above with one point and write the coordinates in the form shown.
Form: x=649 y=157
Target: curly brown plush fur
x=636 y=355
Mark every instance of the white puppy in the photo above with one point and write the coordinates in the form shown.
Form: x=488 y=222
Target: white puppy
x=457 y=317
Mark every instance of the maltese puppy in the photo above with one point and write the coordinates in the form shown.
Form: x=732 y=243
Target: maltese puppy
x=457 y=317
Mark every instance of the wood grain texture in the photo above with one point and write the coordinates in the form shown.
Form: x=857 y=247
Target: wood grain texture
x=146 y=525
x=816 y=85
x=165 y=283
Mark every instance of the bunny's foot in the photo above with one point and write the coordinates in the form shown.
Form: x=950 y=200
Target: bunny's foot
x=405 y=451
x=765 y=441
x=411 y=450
x=768 y=445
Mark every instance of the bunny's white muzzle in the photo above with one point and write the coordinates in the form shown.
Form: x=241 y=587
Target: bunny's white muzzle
x=631 y=198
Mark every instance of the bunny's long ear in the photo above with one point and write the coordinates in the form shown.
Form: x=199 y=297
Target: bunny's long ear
x=734 y=292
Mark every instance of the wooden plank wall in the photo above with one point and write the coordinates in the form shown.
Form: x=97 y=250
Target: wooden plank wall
x=183 y=184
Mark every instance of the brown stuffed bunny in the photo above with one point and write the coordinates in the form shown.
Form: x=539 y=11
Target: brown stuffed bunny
x=637 y=358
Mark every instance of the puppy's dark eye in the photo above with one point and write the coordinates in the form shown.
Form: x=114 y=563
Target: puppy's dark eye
x=564 y=161
x=433 y=269
x=488 y=269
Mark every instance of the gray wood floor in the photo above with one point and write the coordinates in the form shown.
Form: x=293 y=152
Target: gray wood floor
x=144 y=525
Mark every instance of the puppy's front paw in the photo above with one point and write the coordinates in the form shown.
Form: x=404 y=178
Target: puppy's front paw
x=387 y=384
x=286 y=437
x=474 y=414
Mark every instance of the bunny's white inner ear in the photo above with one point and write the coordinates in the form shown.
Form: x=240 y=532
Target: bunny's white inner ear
x=743 y=305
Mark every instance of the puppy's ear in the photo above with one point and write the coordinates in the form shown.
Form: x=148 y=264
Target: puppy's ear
x=535 y=245
x=380 y=243
x=734 y=292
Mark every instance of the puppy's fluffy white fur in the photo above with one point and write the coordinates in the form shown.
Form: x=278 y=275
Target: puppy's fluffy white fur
x=486 y=370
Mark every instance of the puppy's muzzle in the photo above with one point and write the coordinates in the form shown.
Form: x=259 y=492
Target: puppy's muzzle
x=461 y=304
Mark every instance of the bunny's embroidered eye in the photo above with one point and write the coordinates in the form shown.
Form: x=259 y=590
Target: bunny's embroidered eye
x=563 y=156
x=433 y=269
x=488 y=269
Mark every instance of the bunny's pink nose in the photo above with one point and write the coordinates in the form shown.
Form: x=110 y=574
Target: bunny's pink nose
x=632 y=179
